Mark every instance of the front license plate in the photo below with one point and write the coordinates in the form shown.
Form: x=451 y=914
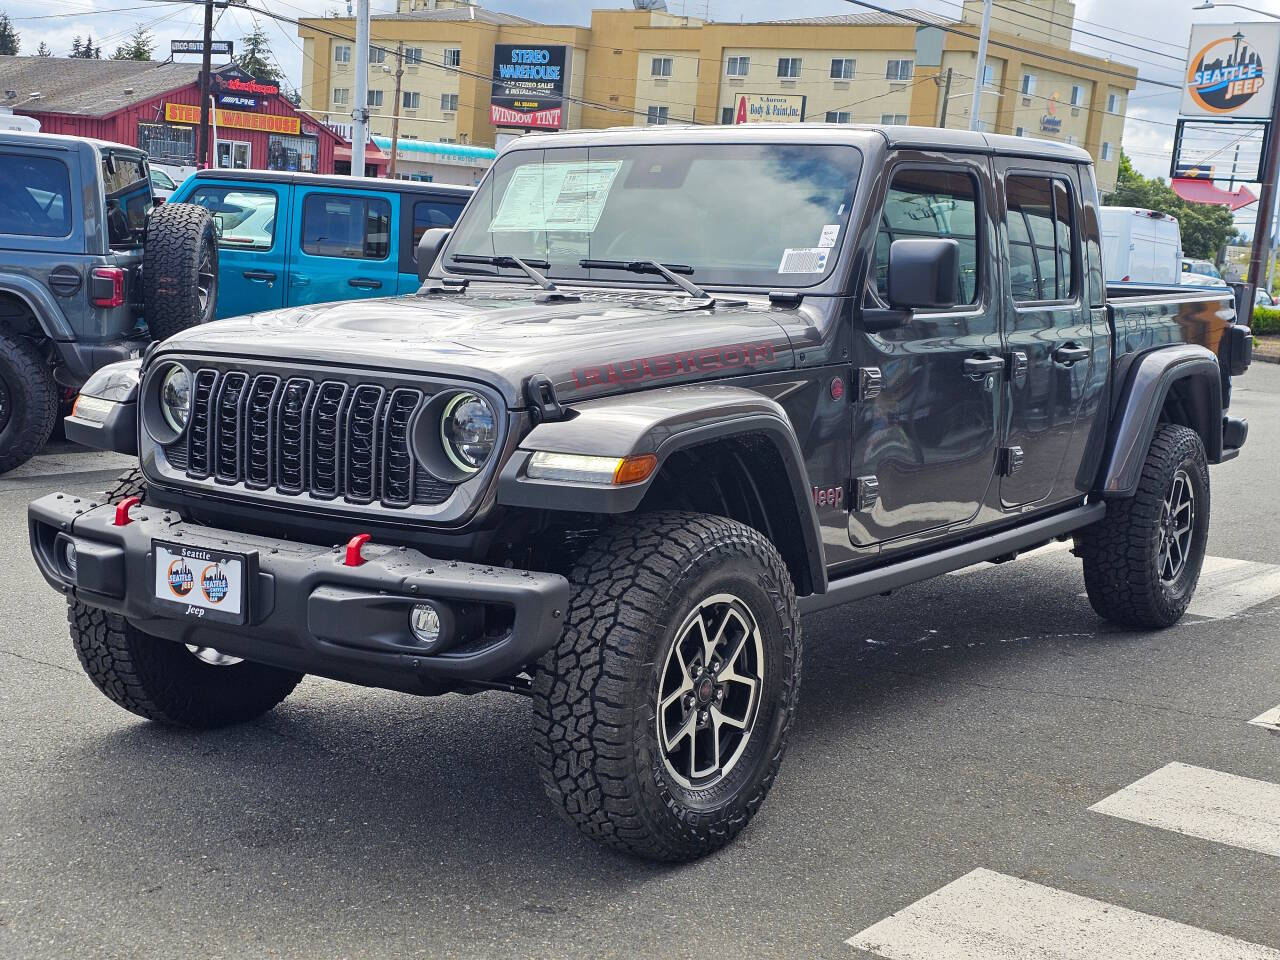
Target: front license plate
x=201 y=582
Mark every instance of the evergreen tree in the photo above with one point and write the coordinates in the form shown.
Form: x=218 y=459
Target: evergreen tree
x=43 y=50
x=255 y=57
x=139 y=46
x=77 y=48
x=10 y=42
x=1205 y=228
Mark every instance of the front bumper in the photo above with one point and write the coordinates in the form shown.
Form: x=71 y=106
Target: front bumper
x=304 y=609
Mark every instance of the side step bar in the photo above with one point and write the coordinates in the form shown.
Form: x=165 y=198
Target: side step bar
x=866 y=583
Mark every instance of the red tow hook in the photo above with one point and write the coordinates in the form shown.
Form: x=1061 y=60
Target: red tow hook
x=354 y=546
x=122 y=510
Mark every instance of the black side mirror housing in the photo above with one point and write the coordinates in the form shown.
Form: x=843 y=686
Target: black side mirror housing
x=923 y=273
x=429 y=247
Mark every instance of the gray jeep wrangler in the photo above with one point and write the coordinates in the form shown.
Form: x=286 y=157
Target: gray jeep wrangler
x=90 y=271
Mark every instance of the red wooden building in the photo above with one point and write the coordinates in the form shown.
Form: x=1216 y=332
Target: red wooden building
x=156 y=106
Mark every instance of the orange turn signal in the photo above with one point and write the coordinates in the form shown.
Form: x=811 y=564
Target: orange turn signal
x=635 y=469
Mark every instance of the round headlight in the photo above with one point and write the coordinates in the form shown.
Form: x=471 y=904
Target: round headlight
x=175 y=398
x=470 y=431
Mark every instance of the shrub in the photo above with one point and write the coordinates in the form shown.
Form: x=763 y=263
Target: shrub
x=1266 y=320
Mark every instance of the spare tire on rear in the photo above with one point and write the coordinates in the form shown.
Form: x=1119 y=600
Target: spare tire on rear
x=179 y=269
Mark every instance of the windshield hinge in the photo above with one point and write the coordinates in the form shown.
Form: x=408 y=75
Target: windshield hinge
x=785 y=298
x=544 y=405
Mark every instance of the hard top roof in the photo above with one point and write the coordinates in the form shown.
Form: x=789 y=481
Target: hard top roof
x=334 y=180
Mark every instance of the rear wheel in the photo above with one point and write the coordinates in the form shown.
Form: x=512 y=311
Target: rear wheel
x=28 y=400
x=180 y=269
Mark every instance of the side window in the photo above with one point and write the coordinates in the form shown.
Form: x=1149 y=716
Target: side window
x=433 y=213
x=245 y=219
x=128 y=193
x=932 y=203
x=35 y=196
x=1041 y=229
x=334 y=225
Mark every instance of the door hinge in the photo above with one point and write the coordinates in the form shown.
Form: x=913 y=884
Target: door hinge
x=1018 y=365
x=866 y=493
x=1010 y=460
x=870 y=382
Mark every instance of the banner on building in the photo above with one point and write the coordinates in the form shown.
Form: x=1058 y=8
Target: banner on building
x=1231 y=70
x=234 y=119
x=529 y=81
x=768 y=108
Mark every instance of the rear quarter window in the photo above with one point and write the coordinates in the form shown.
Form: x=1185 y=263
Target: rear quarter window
x=35 y=196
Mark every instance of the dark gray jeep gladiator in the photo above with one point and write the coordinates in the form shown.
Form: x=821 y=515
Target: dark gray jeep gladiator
x=85 y=256
x=662 y=391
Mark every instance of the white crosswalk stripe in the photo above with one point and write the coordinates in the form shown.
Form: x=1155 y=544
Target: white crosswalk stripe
x=1269 y=720
x=1203 y=803
x=1056 y=548
x=989 y=916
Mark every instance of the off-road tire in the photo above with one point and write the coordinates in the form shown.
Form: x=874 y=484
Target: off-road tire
x=162 y=680
x=131 y=483
x=181 y=245
x=28 y=400
x=595 y=692
x=1121 y=552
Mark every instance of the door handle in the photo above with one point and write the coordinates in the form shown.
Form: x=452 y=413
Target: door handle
x=1070 y=353
x=364 y=283
x=977 y=368
x=258 y=275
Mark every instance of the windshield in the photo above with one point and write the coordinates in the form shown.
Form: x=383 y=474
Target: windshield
x=736 y=214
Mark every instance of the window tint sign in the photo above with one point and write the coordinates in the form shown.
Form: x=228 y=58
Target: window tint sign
x=528 y=86
x=1231 y=70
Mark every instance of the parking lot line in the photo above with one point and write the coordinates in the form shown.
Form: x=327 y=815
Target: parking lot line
x=989 y=916
x=1203 y=803
x=1250 y=586
x=1269 y=720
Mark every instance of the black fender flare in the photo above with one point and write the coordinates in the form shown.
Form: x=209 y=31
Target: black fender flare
x=1137 y=414
x=42 y=305
x=659 y=422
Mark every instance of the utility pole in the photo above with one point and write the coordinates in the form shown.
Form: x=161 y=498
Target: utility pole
x=360 y=115
x=1266 y=202
x=395 y=114
x=980 y=75
x=206 y=62
x=946 y=97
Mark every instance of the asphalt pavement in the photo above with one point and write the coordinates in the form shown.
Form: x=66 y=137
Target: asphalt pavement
x=980 y=768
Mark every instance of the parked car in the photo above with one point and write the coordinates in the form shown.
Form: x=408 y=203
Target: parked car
x=293 y=238
x=162 y=185
x=89 y=273
x=662 y=391
x=1202 y=268
x=1190 y=278
x=1263 y=299
x=1140 y=246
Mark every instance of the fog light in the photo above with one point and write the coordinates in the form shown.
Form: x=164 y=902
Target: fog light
x=424 y=621
x=69 y=554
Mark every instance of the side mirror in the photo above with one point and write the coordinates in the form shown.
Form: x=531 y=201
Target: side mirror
x=923 y=273
x=429 y=248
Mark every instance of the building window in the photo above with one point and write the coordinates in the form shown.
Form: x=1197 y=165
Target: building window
x=789 y=67
x=411 y=101
x=1028 y=84
x=893 y=119
x=1019 y=132
x=342 y=53
x=899 y=70
x=1106 y=150
x=988 y=75
x=453 y=56
x=412 y=56
x=375 y=98
x=658 y=115
x=842 y=68
x=377 y=55
x=737 y=66
x=726 y=116
x=449 y=102
x=838 y=116
x=1077 y=95
x=1113 y=103
x=346 y=226
x=660 y=67
x=341 y=96
x=163 y=142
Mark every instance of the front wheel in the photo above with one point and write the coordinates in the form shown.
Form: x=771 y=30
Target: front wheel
x=664 y=709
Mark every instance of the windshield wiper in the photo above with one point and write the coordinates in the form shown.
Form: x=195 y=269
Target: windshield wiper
x=550 y=290
x=670 y=271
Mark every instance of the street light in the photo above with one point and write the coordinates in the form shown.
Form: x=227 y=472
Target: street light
x=1210 y=5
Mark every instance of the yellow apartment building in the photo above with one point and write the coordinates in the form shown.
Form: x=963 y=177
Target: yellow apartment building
x=639 y=66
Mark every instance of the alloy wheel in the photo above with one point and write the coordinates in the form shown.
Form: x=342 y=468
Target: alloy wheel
x=1177 y=527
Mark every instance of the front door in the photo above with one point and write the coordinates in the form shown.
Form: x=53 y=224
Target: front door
x=1049 y=333
x=251 y=222
x=343 y=249
x=928 y=439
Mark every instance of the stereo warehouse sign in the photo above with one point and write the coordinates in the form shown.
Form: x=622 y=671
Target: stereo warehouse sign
x=528 y=86
x=1231 y=71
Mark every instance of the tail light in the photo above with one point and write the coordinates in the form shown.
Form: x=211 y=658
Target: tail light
x=107 y=287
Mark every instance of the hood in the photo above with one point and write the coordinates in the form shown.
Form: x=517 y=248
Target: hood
x=608 y=342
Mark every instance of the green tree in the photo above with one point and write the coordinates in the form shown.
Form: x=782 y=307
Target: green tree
x=10 y=42
x=139 y=46
x=85 y=50
x=1205 y=228
x=43 y=50
x=255 y=57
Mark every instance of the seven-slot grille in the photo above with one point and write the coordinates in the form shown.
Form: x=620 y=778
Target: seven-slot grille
x=326 y=439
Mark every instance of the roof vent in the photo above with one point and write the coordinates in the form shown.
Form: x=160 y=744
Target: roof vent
x=10 y=94
x=128 y=91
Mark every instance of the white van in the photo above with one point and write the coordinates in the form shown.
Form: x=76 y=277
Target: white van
x=1140 y=246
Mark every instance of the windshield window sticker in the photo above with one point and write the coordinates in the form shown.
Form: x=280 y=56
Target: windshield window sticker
x=804 y=260
x=180 y=578
x=830 y=233
x=556 y=196
x=213 y=583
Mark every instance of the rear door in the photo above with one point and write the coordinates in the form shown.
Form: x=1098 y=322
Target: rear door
x=420 y=212
x=252 y=223
x=343 y=248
